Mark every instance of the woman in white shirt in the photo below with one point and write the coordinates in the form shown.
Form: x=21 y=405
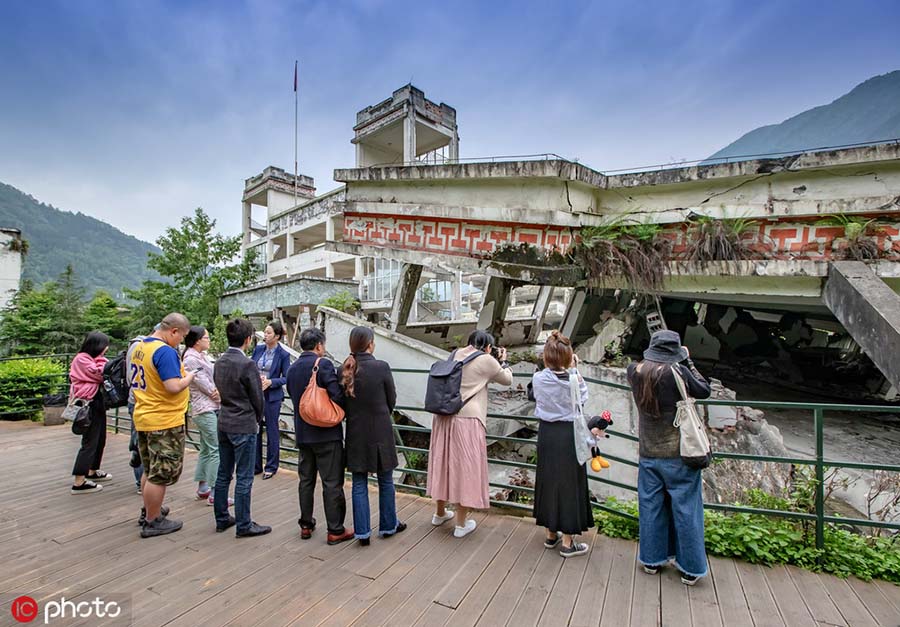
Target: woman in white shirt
x=561 y=498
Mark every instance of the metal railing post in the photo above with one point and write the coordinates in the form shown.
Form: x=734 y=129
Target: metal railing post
x=116 y=428
x=820 y=481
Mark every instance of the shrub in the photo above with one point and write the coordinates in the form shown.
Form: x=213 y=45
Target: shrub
x=633 y=252
x=774 y=540
x=24 y=383
x=342 y=301
x=718 y=240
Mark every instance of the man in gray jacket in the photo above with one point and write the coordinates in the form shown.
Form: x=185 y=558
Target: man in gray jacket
x=237 y=379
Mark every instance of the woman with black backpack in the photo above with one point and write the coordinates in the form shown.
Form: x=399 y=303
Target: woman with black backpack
x=86 y=379
x=457 y=453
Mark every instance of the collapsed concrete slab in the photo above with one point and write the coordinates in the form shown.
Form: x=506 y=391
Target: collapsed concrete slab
x=869 y=310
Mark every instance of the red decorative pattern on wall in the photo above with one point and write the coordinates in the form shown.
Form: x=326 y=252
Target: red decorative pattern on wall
x=452 y=237
x=772 y=239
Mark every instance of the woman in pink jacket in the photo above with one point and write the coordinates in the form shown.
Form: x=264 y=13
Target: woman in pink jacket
x=86 y=377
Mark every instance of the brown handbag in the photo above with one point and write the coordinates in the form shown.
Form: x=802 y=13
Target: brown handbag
x=316 y=407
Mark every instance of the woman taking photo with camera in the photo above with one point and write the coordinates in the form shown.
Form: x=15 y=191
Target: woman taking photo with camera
x=457 y=455
x=86 y=376
x=670 y=493
x=561 y=498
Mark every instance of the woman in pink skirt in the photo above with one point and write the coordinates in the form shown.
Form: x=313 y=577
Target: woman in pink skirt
x=457 y=455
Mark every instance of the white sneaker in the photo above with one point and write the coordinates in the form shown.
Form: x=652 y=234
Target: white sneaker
x=461 y=532
x=440 y=520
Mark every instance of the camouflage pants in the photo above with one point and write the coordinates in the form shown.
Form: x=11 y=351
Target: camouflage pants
x=162 y=453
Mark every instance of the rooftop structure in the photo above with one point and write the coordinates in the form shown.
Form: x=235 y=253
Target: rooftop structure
x=406 y=128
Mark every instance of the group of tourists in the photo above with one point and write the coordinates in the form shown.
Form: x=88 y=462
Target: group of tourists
x=234 y=401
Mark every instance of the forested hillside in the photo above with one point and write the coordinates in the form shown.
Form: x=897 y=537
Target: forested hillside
x=102 y=256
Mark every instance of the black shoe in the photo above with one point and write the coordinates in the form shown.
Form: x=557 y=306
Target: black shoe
x=689 y=580
x=163 y=512
x=401 y=527
x=87 y=487
x=268 y=475
x=363 y=542
x=231 y=523
x=254 y=530
x=160 y=527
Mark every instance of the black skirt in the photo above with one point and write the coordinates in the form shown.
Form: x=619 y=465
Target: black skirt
x=561 y=496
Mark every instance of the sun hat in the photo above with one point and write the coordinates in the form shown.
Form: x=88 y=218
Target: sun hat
x=665 y=346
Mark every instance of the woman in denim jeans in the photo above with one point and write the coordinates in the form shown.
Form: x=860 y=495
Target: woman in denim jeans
x=670 y=494
x=204 y=405
x=370 y=397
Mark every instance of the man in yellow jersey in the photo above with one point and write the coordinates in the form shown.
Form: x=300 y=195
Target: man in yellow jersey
x=161 y=396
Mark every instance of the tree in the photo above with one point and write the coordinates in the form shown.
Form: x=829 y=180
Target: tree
x=201 y=265
x=68 y=329
x=27 y=321
x=45 y=320
x=103 y=313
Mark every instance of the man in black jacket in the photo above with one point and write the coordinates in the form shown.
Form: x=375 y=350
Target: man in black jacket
x=240 y=388
x=321 y=449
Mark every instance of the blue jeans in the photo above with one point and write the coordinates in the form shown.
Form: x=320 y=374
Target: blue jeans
x=387 y=507
x=237 y=452
x=670 y=502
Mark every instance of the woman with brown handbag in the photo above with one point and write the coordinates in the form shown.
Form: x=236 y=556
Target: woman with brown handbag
x=320 y=449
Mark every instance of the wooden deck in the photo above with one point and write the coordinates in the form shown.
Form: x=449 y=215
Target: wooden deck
x=56 y=544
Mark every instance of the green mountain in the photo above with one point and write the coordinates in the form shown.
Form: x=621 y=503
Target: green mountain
x=102 y=256
x=868 y=113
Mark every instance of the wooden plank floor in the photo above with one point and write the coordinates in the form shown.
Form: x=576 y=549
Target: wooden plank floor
x=55 y=544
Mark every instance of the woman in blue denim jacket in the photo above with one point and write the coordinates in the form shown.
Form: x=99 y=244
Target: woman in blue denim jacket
x=273 y=363
x=670 y=494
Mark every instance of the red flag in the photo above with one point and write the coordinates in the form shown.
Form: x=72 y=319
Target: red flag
x=295 y=76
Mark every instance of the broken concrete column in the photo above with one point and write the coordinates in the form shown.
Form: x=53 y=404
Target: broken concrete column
x=574 y=312
x=610 y=337
x=494 y=306
x=869 y=310
x=545 y=294
x=405 y=294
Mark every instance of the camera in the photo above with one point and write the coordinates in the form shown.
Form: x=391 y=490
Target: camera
x=495 y=353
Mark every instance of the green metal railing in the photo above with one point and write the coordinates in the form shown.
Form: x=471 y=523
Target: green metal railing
x=121 y=421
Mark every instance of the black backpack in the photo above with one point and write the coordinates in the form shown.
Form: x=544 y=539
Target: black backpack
x=444 y=379
x=115 y=382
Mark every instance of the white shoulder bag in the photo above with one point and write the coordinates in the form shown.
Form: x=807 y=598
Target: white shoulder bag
x=695 y=450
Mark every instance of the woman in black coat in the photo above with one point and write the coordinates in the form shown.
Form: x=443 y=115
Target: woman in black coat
x=370 y=397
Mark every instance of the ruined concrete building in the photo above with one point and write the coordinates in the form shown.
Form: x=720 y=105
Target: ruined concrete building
x=287 y=227
x=12 y=248
x=780 y=273
x=789 y=265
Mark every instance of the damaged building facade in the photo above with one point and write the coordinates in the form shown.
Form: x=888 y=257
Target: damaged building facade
x=813 y=239
x=286 y=227
x=780 y=271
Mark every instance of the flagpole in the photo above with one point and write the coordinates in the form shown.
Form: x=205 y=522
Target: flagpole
x=296 y=132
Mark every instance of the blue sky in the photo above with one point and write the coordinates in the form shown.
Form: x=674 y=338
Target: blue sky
x=137 y=112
